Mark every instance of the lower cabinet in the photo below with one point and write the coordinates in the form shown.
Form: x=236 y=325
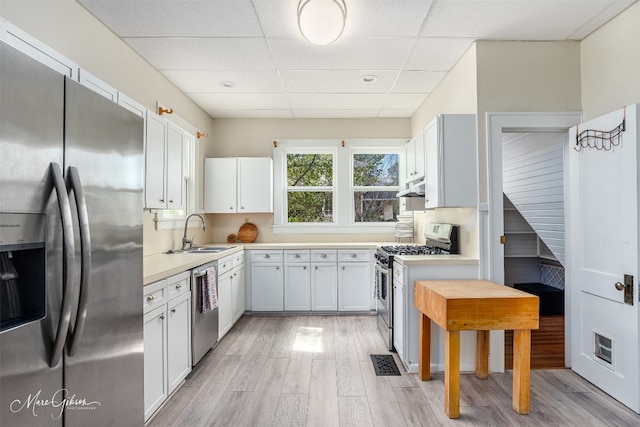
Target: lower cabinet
x=167 y=338
x=354 y=280
x=231 y=291
x=311 y=280
x=267 y=293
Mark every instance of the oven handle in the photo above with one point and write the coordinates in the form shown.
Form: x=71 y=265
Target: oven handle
x=382 y=269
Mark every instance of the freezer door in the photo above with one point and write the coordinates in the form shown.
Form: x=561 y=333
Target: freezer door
x=31 y=137
x=104 y=143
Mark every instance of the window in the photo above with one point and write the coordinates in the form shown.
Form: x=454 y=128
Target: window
x=335 y=186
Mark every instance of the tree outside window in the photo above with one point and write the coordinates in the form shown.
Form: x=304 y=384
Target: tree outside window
x=310 y=188
x=375 y=185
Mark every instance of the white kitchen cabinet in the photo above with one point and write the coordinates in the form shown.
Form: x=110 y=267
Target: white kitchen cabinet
x=95 y=84
x=155 y=353
x=238 y=286
x=406 y=316
x=225 y=303
x=414 y=155
x=354 y=280
x=167 y=338
x=399 y=302
x=267 y=280
x=164 y=162
x=297 y=280
x=451 y=169
x=324 y=280
x=238 y=185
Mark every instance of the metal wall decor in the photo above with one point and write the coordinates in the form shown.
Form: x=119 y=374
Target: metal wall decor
x=599 y=139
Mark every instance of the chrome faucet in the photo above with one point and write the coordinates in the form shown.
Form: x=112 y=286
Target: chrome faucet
x=186 y=242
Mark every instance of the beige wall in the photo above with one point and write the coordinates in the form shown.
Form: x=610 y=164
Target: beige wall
x=254 y=137
x=524 y=76
x=610 y=63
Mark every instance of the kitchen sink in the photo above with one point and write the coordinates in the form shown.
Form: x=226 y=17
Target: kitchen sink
x=202 y=250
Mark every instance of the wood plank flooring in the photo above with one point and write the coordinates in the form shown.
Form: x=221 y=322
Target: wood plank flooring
x=316 y=371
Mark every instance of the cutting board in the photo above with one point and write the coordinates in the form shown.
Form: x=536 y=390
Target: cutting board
x=247 y=233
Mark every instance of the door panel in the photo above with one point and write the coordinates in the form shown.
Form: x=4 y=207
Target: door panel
x=31 y=125
x=603 y=247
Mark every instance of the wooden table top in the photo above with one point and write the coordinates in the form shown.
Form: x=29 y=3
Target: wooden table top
x=476 y=305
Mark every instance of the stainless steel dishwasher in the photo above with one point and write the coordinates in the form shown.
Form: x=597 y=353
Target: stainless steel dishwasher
x=204 y=326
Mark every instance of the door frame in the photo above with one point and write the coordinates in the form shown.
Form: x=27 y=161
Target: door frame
x=492 y=218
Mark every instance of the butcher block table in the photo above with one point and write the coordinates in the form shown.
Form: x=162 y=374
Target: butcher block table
x=480 y=305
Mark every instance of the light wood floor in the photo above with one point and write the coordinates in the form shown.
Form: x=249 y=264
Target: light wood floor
x=316 y=371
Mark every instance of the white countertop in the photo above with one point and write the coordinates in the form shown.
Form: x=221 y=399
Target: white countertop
x=160 y=266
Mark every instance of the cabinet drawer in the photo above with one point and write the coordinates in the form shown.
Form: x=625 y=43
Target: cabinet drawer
x=296 y=256
x=266 y=256
x=238 y=259
x=178 y=286
x=324 y=256
x=154 y=295
x=353 y=255
x=225 y=264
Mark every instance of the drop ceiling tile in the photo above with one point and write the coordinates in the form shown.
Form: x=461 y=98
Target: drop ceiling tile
x=510 y=20
x=404 y=101
x=250 y=114
x=417 y=81
x=204 y=53
x=337 y=81
x=335 y=114
x=436 y=54
x=344 y=54
x=236 y=101
x=153 y=18
x=339 y=101
x=209 y=80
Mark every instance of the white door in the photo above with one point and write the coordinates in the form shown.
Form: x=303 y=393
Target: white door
x=602 y=240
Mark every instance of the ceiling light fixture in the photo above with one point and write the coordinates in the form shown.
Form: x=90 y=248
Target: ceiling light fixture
x=321 y=21
x=227 y=83
x=369 y=78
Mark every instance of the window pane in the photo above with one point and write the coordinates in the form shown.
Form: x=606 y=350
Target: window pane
x=375 y=206
x=310 y=206
x=309 y=170
x=375 y=170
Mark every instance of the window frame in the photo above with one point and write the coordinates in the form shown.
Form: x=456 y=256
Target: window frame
x=343 y=188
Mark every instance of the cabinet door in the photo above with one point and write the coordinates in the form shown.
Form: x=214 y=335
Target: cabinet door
x=398 y=318
x=432 y=166
x=155 y=344
x=154 y=182
x=297 y=287
x=225 y=304
x=266 y=287
x=354 y=286
x=324 y=287
x=178 y=340
x=220 y=185
x=255 y=184
x=174 y=169
x=238 y=290
x=419 y=156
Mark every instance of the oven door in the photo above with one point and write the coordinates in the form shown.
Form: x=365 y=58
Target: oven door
x=384 y=305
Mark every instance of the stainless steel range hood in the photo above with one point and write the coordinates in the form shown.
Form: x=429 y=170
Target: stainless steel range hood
x=415 y=189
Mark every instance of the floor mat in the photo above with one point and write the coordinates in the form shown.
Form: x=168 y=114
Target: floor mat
x=384 y=364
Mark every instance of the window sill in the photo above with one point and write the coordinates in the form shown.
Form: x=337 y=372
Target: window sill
x=334 y=229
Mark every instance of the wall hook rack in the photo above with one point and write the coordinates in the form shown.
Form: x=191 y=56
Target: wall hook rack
x=162 y=110
x=599 y=139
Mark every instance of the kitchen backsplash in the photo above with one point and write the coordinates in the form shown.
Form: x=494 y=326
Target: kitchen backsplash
x=551 y=275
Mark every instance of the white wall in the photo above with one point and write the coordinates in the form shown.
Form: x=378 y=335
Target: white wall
x=610 y=64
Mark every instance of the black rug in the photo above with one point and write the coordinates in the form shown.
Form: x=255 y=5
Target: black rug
x=384 y=364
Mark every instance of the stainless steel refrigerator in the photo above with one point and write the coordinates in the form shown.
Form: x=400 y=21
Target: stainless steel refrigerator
x=71 y=172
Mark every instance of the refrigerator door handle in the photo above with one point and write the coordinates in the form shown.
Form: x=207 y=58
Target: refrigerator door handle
x=75 y=185
x=68 y=260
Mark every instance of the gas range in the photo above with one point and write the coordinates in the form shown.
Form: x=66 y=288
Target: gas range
x=384 y=254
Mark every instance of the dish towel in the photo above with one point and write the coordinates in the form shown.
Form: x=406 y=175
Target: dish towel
x=209 y=291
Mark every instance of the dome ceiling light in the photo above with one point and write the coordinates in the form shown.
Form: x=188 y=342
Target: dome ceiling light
x=321 y=21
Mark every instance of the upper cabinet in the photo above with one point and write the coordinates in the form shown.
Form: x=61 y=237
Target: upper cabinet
x=451 y=167
x=238 y=185
x=414 y=155
x=164 y=174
